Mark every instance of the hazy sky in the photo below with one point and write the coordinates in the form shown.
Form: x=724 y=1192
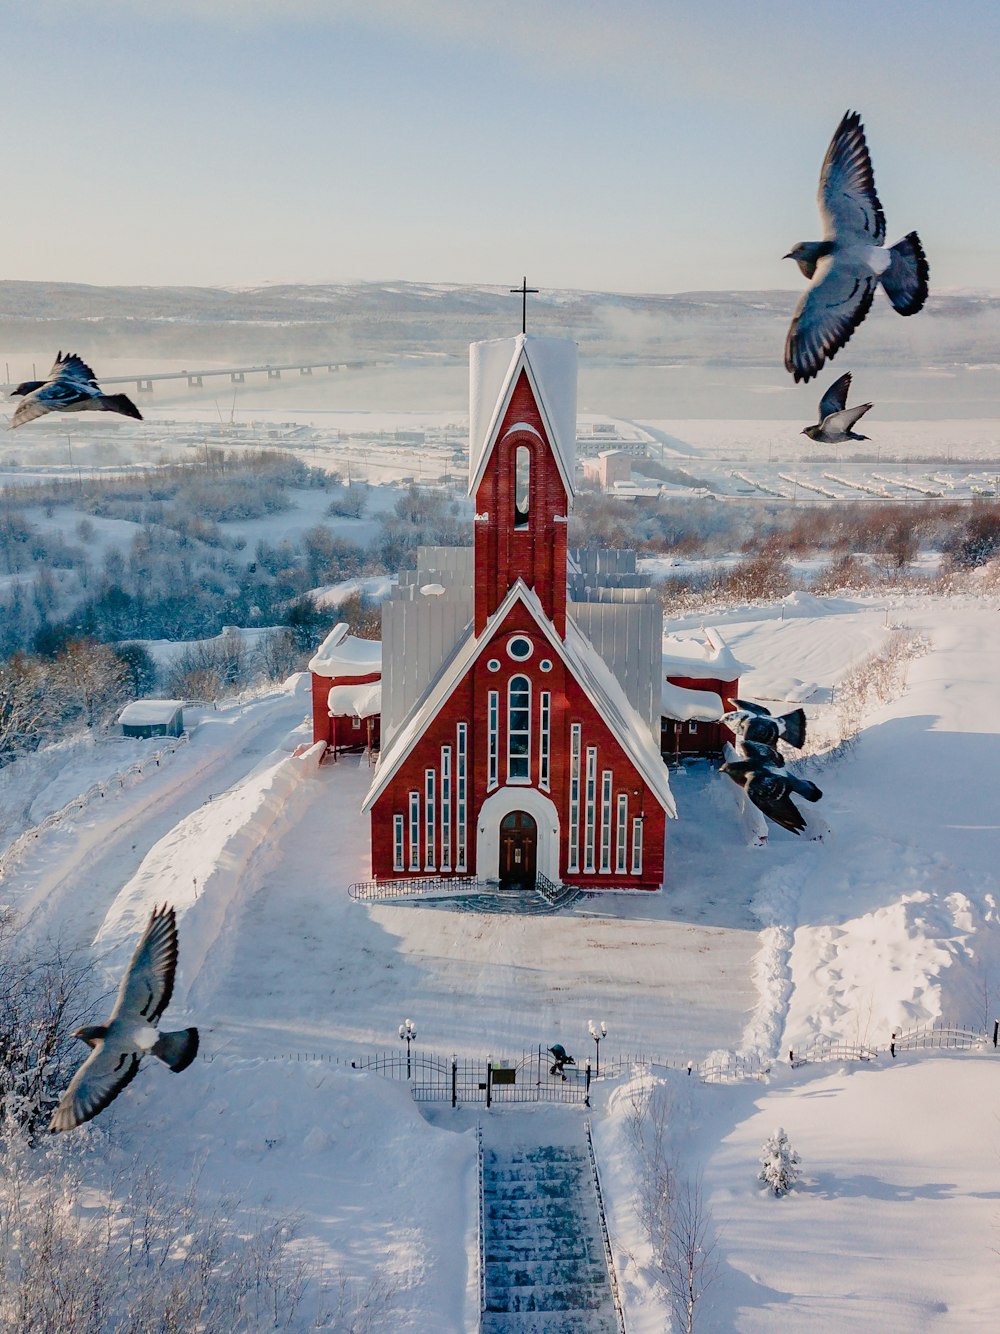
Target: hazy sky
x=632 y=145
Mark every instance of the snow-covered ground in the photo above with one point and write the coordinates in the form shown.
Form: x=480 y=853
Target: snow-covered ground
x=890 y=922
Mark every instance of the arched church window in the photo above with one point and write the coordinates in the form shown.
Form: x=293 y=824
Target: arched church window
x=518 y=729
x=522 y=486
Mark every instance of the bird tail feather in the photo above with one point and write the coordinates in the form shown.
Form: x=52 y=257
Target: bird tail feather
x=120 y=403
x=177 y=1050
x=905 y=280
x=793 y=728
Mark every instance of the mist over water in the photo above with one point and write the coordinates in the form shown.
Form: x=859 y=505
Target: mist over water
x=684 y=356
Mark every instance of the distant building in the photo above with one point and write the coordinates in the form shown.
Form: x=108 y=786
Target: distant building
x=347 y=691
x=152 y=717
x=611 y=467
x=700 y=679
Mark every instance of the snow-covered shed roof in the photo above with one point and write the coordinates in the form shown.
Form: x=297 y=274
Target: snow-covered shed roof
x=691 y=706
x=362 y=700
x=149 y=712
x=494 y=368
x=341 y=654
x=596 y=678
x=700 y=659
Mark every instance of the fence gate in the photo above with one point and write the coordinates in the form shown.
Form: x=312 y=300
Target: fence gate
x=534 y=1077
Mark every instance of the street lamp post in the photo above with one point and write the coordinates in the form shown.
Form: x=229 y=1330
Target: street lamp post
x=597 y=1031
x=408 y=1032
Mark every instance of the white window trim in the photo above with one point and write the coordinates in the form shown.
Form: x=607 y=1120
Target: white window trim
x=605 y=821
x=637 y=845
x=446 y=808
x=621 y=863
x=590 y=810
x=398 y=842
x=414 y=831
x=430 y=828
x=573 y=855
x=514 y=780
x=461 y=795
x=493 y=762
x=544 y=738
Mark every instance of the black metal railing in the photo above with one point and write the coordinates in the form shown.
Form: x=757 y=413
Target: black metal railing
x=482 y=1223
x=608 y=1253
x=418 y=886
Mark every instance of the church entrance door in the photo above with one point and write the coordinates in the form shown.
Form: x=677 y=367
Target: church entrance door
x=518 y=849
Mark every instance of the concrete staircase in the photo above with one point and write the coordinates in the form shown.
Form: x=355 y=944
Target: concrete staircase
x=545 y=1271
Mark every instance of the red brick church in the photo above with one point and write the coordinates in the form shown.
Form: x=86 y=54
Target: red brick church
x=521 y=682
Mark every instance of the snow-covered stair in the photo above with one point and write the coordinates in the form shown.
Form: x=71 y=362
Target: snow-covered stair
x=545 y=1266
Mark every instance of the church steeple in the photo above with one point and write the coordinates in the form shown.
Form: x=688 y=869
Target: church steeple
x=523 y=434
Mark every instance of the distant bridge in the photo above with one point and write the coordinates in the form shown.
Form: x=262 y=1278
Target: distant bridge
x=237 y=374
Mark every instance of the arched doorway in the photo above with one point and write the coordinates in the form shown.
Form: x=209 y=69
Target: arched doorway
x=518 y=849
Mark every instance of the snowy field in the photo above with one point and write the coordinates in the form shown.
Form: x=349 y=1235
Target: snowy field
x=891 y=922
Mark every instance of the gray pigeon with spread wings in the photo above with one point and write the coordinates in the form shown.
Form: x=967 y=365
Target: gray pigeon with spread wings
x=836 y=420
x=118 y=1046
x=847 y=266
x=71 y=387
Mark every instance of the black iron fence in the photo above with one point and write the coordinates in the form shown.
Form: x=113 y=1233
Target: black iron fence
x=534 y=1076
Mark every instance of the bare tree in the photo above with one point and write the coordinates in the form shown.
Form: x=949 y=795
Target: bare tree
x=693 y=1266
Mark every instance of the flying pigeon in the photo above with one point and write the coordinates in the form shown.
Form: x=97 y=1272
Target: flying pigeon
x=760 y=752
x=118 y=1046
x=71 y=387
x=847 y=266
x=752 y=722
x=771 y=792
x=836 y=419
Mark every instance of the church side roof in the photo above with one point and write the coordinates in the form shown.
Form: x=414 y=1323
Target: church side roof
x=691 y=706
x=710 y=659
x=341 y=654
x=586 y=665
x=494 y=368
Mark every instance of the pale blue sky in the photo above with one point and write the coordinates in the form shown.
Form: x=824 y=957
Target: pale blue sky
x=632 y=145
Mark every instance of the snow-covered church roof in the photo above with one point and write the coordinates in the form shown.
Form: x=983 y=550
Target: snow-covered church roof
x=585 y=664
x=494 y=368
x=710 y=658
x=341 y=654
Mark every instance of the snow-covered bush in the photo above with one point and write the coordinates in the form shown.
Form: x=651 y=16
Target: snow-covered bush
x=779 y=1164
x=44 y=994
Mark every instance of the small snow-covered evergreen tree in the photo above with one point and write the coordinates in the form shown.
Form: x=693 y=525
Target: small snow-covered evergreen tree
x=779 y=1163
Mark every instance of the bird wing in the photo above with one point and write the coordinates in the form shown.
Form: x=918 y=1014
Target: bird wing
x=844 y=421
x=98 y=1082
x=148 y=984
x=752 y=708
x=847 y=199
x=828 y=313
x=835 y=398
x=53 y=396
x=769 y=793
x=759 y=752
x=72 y=367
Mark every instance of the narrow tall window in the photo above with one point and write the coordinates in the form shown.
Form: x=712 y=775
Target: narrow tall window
x=606 y=820
x=414 y=831
x=621 y=862
x=591 y=810
x=519 y=729
x=446 y=808
x=429 y=819
x=461 y=792
x=573 y=856
x=544 y=739
x=398 y=834
x=522 y=486
x=637 y=845
x=493 y=709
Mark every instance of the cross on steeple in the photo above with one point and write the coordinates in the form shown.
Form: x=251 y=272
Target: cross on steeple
x=524 y=289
